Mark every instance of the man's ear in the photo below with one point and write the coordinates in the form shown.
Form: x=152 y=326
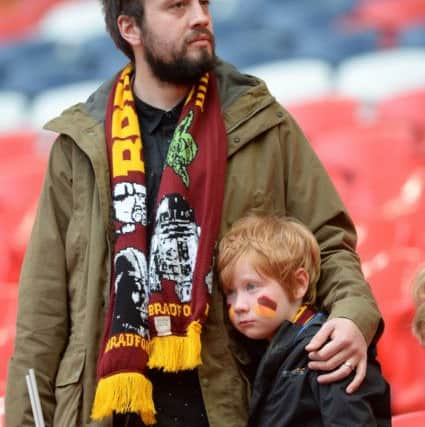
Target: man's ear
x=301 y=282
x=129 y=30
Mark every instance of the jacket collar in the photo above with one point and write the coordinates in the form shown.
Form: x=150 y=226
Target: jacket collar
x=242 y=97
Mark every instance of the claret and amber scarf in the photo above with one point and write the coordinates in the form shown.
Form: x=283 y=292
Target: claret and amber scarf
x=160 y=286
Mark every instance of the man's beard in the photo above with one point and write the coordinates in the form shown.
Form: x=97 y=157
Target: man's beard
x=181 y=69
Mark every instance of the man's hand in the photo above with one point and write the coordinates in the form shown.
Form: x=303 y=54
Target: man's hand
x=340 y=347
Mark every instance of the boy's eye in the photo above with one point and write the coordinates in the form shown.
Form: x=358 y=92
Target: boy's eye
x=228 y=292
x=251 y=286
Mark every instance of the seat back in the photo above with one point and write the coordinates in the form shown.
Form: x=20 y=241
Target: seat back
x=294 y=80
x=368 y=163
x=410 y=419
x=379 y=74
x=8 y=306
x=390 y=275
x=323 y=114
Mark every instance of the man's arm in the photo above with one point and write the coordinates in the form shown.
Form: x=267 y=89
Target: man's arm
x=342 y=290
x=42 y=320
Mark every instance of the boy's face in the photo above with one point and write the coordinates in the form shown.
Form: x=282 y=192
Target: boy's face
x=258 y=304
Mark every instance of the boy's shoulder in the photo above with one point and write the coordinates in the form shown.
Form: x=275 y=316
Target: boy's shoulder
x=305 y=329
x=291 y=339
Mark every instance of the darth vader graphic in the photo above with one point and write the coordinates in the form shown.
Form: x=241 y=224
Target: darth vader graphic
x=174 y=246
x=131 y=307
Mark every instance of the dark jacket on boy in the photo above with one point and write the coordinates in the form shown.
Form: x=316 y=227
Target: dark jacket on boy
x=286 y=392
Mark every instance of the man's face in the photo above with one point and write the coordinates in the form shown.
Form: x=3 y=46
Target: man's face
x=178 y=40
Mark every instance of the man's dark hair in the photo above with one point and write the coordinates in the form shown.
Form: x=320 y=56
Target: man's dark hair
x=112 y=9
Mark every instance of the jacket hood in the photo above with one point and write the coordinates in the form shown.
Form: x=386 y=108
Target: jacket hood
x=242 y=96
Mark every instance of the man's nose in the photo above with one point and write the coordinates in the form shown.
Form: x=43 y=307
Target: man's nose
x=200 y=16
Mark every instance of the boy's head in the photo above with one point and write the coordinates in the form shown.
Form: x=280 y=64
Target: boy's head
x=268 y=266
x=419 y=300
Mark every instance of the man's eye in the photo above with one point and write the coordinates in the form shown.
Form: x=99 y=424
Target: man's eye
x=178 y=4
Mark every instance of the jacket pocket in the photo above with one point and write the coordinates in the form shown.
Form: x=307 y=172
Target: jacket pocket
x=68 y=391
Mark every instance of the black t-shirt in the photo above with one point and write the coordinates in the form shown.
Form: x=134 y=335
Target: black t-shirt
x=177 y=396
x=157 y=128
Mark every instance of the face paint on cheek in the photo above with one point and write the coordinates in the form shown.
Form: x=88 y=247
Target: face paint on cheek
x=265 y=307
x=231 y=312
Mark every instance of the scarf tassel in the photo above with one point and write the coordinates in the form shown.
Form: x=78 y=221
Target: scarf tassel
x=122 y=393
x=175 y=353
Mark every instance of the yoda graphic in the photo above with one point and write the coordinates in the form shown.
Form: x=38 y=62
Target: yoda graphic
x=182 y=149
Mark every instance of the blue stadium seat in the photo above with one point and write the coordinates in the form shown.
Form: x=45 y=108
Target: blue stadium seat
x=34 y=66
x=99 y=57
x=254 y=46
x=413 y=36
x=336 y=45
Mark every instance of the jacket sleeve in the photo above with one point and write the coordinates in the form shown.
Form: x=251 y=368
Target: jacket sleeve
x=369 y=406
x=312 y=198
x=42 y=319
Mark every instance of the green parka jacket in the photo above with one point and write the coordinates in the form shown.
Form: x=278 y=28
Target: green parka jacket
x=65 y=280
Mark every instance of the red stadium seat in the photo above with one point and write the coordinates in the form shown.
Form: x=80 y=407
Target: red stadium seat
x=377 y=234
x=408 y=106
x=407 y=209
x=8 y=306
x=23 y=161
x=20 y=17
x=5 y=259
x=409 y=419
x=368 y=163
x=389 y=17
x=390 y=275
x=18 y=144
x=20 y=185
x=325 y=114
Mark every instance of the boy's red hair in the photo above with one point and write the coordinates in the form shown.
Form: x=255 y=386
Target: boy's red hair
x=277 y=247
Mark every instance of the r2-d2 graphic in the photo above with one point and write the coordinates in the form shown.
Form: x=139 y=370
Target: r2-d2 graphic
x=174 y=246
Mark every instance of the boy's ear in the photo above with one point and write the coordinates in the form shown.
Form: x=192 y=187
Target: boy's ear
x=129 y=30
x=301 y=283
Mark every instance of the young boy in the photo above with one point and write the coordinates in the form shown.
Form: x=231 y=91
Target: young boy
x=268 y=267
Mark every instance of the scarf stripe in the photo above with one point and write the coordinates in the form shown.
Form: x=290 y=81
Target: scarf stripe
x=303 y=315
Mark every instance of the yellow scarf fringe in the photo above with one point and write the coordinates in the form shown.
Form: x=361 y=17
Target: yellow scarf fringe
x=122 y=393
x=174 y=353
